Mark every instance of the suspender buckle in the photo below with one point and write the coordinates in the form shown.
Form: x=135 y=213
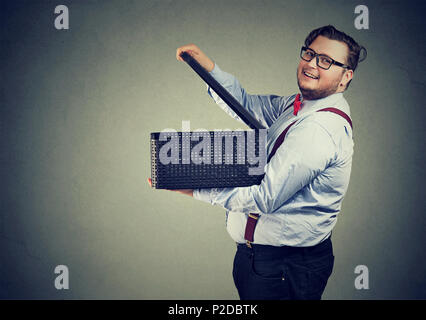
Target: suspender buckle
x=255 y=217
x=248 y=244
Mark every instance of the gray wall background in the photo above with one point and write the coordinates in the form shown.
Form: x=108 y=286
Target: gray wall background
x=78 y=105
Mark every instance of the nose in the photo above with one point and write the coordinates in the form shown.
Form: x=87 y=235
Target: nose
x=313 y=63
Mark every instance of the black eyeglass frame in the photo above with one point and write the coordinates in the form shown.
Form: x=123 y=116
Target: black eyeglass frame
x=317 y=55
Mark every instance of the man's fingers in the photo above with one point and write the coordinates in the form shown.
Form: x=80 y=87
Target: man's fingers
x=190 y=48
x=179 y=52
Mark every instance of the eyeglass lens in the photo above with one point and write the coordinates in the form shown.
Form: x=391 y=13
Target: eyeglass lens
x=322 y=61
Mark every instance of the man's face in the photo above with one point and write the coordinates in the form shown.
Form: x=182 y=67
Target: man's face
x=328 y=81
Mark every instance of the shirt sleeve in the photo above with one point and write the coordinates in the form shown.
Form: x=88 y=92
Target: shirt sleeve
x=265 y=108
x=307 y=150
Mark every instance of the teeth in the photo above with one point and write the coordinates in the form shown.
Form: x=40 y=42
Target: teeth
x=310 y=75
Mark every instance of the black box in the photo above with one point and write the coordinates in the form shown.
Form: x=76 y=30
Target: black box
x=224 y=159
x=221 y=164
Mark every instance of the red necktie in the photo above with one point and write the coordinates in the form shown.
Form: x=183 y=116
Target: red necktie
x=297 y=104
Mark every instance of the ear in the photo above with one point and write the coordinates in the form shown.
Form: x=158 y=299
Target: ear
x=347 y=76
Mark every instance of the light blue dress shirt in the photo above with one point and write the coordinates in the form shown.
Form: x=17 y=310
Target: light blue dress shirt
x=301 y=194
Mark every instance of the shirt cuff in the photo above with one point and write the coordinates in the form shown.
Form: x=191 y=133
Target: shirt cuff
x=215 y=70
x=219 y=75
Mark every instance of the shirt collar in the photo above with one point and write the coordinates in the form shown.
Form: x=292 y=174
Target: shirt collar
x=335 y=99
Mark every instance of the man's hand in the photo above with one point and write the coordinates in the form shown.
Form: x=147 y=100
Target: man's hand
x=197 y=54
x=188 y=192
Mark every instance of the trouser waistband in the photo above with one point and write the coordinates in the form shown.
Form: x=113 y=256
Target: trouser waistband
x=282 y=250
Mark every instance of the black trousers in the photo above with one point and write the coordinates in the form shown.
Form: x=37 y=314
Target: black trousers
x=282 y=273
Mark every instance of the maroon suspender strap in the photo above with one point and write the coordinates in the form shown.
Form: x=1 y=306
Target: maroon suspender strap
x=253 y=217
x=340 y=113
x=250 y=226
x=279 y=141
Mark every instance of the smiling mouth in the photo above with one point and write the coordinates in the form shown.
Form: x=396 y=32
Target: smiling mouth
x=309 y=75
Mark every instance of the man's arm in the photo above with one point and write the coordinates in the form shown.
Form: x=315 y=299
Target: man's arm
x=307 y=150
x=265 y=108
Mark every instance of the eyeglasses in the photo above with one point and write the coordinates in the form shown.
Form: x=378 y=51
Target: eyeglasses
x=323 y=61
